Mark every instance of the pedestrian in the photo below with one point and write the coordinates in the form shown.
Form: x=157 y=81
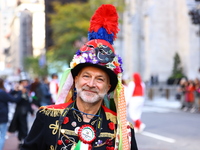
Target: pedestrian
x=5 y=98
x=136 y=91
x=181 y=91
x=189 y=96
x=43 y=92
x=54 y=86
x=197 y=93
x=19 y=120
x=34 y=92
x=86 y=123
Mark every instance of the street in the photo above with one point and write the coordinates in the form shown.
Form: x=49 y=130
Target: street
x=169 y=129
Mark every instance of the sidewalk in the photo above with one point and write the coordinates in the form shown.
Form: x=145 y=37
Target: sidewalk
x=163 y=102
x=11 y=142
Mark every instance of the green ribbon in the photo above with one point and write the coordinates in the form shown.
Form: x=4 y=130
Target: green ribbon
x=78 y=145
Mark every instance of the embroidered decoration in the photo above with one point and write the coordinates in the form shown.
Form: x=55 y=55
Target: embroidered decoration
x=55 y=127
x=66 y=120
x=111 y=126
x=87 y=134
x=52 y=148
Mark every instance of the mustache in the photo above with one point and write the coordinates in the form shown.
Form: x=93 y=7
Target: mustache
x=90 y=89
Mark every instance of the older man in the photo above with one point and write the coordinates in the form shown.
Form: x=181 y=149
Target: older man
x=90 y=109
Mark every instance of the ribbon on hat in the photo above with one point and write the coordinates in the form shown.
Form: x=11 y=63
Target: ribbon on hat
x=65 y=87
x=122 y=128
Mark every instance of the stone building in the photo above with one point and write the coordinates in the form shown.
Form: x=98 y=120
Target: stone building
x=153 y=31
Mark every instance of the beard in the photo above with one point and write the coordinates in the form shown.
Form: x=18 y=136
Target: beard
x=90 y=95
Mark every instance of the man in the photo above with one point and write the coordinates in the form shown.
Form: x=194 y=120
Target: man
x=19 y=121
x=89 y=113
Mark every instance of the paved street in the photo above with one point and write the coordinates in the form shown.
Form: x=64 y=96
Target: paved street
x=168 y=128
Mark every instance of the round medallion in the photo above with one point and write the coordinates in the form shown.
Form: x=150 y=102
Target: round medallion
x=86 y=134
x=74 y=124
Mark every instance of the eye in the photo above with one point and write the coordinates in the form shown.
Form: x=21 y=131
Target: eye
x=86 y=76
x=100 y=79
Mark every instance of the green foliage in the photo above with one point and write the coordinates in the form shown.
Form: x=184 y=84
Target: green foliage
x=31 y=65
x=177 y=72
x=70 y=24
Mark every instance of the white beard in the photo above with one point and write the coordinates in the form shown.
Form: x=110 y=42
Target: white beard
x=90 y=97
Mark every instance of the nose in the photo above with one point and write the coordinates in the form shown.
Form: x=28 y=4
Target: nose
x=91 y=83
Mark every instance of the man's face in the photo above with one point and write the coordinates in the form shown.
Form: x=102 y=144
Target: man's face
x=92 y=84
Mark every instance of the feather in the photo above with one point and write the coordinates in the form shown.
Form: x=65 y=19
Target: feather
x=104 y=24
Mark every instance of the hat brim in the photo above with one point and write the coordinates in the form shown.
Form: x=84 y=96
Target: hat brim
x=111 y=74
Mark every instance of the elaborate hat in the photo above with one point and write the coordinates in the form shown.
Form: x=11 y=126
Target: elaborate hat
x=99 y=52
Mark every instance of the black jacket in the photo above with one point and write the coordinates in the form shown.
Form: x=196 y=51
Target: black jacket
x=45 y=133
x=5 y=98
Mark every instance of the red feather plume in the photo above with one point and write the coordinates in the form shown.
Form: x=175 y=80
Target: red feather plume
x=105 y=16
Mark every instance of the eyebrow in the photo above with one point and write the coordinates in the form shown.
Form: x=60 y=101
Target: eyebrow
x=87 y=72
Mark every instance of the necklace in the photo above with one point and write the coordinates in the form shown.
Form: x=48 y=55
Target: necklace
x=86 y=114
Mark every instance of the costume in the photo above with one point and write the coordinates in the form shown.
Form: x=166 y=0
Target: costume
x=108 y=129
x=136 y=101
x=47 y=126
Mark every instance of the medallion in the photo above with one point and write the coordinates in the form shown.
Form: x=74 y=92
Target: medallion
x=87 y=134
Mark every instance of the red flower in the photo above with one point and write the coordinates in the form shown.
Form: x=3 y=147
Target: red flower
x=111 y=125
x=59 y=142
x=109 y=148
x=117 y=70
x=66 y=120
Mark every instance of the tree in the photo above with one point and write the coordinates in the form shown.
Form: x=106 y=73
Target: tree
x=177 y=72
x=70 y=24
x=32 y=66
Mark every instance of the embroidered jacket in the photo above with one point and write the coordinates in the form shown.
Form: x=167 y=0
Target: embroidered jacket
x=50 y=132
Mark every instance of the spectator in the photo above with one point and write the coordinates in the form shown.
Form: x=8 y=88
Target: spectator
x=43 y=92
x=54 y=86
x=19 y=120
x=5 y=98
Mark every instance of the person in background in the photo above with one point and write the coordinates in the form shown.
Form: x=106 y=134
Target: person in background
x=86 y=122
x=54 y=86
x=189 y=96
x=5 y=98
x=181 y=90
x=197 y=92
x=34 y=92
x=43 y=92
x=136 y=91
x=19 y=120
